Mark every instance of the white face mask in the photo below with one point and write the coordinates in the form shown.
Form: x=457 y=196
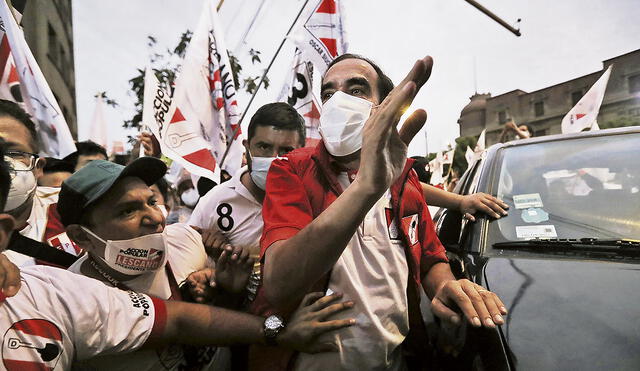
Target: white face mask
x=341 y=123
x=190 y=197
x=134 y=256
x=23 y=185
x=259 y=169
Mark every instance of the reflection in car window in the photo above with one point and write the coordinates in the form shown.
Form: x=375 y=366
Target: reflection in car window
x=585 y=187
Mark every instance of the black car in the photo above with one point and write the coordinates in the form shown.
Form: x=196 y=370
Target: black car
x=565 y=261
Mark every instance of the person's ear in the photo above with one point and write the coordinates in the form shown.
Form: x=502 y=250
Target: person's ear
x=7 y=224
x=38 y=169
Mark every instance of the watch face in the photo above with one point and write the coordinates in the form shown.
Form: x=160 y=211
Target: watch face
x=273 y=322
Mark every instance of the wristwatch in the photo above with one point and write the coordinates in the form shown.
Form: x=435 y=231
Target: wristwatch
x=272 y=327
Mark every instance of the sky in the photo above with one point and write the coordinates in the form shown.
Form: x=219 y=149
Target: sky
x=561 y=40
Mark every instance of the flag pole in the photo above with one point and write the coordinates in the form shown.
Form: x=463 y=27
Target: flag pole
x=246 y=109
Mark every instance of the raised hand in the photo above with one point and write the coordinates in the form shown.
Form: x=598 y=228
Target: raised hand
x=213 y=239
x=233 y=269
x=309 y=321
x=383 y=152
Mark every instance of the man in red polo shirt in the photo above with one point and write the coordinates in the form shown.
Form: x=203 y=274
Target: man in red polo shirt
x=349 y=216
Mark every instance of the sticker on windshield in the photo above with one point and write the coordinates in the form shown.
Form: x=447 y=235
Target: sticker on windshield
x=527 y=201
x=536 y=231
x=534 y=215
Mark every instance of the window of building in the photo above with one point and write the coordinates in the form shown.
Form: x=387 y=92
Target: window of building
x=502 y=117
x=53 y=45
x=634 y=84
x=575 y=97
x=538 y=108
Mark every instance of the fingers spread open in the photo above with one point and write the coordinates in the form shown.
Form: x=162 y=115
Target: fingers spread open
x=412 y=125
x=310 y=298
x=333 y=309
x=324 y=301
x=322 y=327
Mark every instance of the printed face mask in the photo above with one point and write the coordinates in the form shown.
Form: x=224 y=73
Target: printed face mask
x=23 y=185
x=341 y=123
x=190 y=197
x=259 y=169
x=135 y=256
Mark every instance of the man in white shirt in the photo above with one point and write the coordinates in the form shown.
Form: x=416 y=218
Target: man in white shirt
x=59 y=317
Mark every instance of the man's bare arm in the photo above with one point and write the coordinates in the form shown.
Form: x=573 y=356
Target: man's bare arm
x=467 y=205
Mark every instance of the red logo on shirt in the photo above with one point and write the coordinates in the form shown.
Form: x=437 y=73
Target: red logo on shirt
x=32 y=344
x=410 y=228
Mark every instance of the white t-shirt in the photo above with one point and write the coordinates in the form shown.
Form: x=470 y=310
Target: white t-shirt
x=373 y=272
x=58 y=317
x=232 y=209
x=185 y=254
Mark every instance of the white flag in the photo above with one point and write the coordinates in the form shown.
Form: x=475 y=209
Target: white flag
x=35 y=95
x=298 y=92
x=469 y=155
x=180 y=138
x=436 y=169
x=321 y=35
x=98 y=131
x=206 y=93
x=481 y=144
x=447 y=157
x=584 y=114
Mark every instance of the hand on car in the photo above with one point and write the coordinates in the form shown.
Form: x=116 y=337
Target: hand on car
x=309 y=321
x=482 y=202
x=479 y=306
x=9 y=277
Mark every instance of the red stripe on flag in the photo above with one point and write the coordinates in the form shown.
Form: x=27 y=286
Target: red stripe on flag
x=5 y=51
x=177 y=116
x=327 y=6
x=202 y=158
x=580 y=115
x=12 y=364
x=38 y=327
x=331 y=46
x=13 y=75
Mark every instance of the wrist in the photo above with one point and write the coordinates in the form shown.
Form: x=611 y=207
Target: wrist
x=272 y=327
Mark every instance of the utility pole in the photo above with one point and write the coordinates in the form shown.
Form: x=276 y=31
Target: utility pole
x=490 y=14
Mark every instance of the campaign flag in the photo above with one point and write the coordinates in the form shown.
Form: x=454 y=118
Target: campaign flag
x=298 y=92
x=205 y=90
x=481 y=144
x=584 y=114
x=98 y=131
x=321 y=35
x=32 y=92
x=436 y=169
x=469 y=155
x=180 y=138
x=447 y=157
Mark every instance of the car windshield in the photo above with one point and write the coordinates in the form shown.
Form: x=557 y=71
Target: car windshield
x=576 y=188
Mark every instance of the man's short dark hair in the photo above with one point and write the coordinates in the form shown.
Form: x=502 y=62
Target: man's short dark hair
x=163 y=187
x=13 y=110
x=86 y=148
x=281 y=115
x=54 y=165
x=385 y=85
x=5 y=176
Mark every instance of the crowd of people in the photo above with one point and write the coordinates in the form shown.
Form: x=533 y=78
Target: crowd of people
x=309 y=258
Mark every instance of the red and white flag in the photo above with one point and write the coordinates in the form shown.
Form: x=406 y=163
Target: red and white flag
x=205 y=90
x=34 y=94
x=437 y=170
x=180 y=136
x=321 y=36
x=298 y=92
x=585 y=113
x=98 y=132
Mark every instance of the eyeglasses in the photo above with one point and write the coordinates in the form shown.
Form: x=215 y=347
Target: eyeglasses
x=27 y=158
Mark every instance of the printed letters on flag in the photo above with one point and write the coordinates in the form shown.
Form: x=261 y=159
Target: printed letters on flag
x=322 y=37
x=34 y=92
x=584 y=114
x=180 y=139
x=206 y=90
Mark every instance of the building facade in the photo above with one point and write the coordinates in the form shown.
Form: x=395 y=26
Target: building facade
x=544 y=109
x=48 y=29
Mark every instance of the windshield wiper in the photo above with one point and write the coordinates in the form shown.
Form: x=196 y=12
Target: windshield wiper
x=589 y=244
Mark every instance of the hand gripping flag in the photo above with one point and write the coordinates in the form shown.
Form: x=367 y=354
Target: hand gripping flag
x=206 y=92
x=298 y=92
x=584 y=114
x=180 y=138
x=23 y=82
x=321 y=37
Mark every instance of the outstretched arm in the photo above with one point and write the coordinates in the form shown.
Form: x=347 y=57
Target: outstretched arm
x=293 y=265
x=467 y=205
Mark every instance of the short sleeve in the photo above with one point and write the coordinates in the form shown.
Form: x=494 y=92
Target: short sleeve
x=198 y=217
x=99 y=319
x=186 y=250
x=286 y=208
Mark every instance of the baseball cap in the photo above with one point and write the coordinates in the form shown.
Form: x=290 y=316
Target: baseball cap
x=88 y=184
